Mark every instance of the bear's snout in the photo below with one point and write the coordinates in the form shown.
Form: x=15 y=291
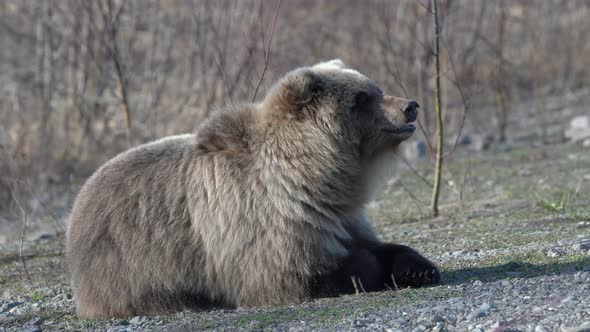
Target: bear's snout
x=410 y=111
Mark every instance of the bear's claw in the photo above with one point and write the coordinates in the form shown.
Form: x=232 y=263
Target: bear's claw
x=411 y=269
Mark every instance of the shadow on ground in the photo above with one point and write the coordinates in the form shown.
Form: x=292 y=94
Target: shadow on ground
x=514 y=269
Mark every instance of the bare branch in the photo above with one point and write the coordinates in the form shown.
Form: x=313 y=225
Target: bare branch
x=463 y=99
x=407 y=163
x=267 y=50
x=22 y=236
x=438 y=109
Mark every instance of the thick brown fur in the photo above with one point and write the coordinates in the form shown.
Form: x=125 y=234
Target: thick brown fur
x=263 y=205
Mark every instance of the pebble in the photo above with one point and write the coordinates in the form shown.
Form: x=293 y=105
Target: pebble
x=45 y=237
x=6 y=318
x=36 y=321
x=419 y=328
x=18 y=311
x=541 y=328
x=585 y=327
x=358 y=323
x=555 y=252
x=32 y=329
x=582 y=246
x=136 y=320
x=568 y=299
x=9 y=305
x=482 y=311
x=439 y=327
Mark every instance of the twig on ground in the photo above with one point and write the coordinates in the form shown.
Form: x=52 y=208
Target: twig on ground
x=395 y=284
x=59 y=230
x=22 y=236
x=356 y=289
x=12 y=258
x=361 y=286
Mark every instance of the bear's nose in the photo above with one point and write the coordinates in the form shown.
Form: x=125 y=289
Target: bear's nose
x=410 y=110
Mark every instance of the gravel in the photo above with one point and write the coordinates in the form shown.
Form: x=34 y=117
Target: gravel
x=555 y=302
x=545 y=303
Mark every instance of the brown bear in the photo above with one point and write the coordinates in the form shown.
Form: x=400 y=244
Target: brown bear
x=263 y=205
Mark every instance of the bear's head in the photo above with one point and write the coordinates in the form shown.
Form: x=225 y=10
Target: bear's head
x=343 y=105
x=334 y=117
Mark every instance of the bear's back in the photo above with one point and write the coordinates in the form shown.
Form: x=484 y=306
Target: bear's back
x=130 y=227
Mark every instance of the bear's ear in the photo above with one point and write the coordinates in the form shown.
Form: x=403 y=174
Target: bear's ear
x=296 y=90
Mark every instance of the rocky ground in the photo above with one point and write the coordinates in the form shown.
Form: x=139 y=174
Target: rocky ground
x=513 y=243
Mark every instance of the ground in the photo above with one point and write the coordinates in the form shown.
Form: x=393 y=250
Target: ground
x=513 y=243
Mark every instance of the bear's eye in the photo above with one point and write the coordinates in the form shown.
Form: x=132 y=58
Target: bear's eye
x=362 y=98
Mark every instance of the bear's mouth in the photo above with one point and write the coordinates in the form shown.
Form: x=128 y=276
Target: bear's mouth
x=409 y=128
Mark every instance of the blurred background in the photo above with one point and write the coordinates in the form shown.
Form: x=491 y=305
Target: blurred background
x=81 y=81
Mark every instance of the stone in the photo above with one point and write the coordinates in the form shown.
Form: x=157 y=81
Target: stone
x=136 y=320
x=482 y=311
x=496 y=326
x=481 y=142
x=555 y=252
x=35 y=321
x=419 y=328
x=45 y=237
x=582 y=246
x=465 y=139
x=459 y=253
x=6 y=318
x=569 y=299
x=579 y=129
x=439 y=327
x=32 y=329
x=18 y=311
x=414 y=150
x=9 y=305
x=359 y=323
x=585 y=327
